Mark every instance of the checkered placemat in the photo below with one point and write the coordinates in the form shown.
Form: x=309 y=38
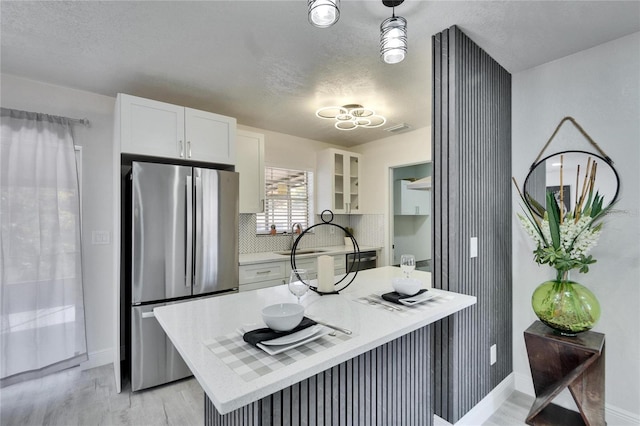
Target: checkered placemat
x=376 y=301
x=250 y=362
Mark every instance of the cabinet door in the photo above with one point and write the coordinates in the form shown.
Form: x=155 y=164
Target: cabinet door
x=352 y=182
x=250 y=165
x=413 y=202
x=151 y=128
x=210 y=137
x=338 y=181
x=308 y=263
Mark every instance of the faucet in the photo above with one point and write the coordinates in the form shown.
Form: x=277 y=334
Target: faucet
x=296 y=228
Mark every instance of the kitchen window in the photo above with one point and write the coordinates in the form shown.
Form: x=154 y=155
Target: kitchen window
x=288 y=196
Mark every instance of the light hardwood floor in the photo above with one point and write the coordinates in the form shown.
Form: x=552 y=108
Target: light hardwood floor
x=75 y=397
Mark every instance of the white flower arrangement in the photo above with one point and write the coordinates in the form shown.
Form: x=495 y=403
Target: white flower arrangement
x=564 y=240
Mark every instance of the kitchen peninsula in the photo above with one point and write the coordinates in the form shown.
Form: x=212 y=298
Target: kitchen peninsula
x=381 y=373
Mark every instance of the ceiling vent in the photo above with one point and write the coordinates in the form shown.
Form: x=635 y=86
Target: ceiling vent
x=398 y=128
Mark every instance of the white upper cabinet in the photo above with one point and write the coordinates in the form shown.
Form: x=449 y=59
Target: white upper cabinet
x=159 y=129
x=409 y=201
x=338 y=181
x=210 y=137
x=150 y=127
x=250 y=165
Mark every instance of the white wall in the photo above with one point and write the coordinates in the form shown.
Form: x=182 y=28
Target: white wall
x=378 y=157
x=600 y=88
x=289 y=151
x=96 y=142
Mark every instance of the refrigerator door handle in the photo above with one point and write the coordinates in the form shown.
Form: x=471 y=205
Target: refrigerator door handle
x=149 y=314
x=198 y=225
x=188 y=264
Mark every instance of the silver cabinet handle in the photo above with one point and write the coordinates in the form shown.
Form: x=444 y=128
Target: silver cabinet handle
x=188 y=149
x=263 y=272
x=181 y=148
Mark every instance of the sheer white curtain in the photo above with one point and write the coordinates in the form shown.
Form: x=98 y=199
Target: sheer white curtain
x=42 y=305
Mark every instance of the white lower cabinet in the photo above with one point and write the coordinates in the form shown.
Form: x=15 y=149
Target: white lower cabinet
x=260 y=275
x=269 y=274
x=339 y=264
x=308 y=263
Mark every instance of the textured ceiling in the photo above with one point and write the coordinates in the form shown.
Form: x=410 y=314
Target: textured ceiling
x=263 y=63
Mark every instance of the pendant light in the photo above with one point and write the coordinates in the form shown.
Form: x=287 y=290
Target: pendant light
x=393 y=35
x=323 y=13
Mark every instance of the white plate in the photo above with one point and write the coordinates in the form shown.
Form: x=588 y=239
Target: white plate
x=281 y=348
x=414 y=300
x=293 y=337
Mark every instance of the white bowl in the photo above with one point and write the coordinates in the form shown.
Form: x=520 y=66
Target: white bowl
x=406 y=286
x=283 y=316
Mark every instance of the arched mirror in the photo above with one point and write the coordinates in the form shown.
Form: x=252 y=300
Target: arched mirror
x=569 y=175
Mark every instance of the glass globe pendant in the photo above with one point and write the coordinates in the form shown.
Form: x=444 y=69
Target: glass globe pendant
x=393 y=39
x=323 y=13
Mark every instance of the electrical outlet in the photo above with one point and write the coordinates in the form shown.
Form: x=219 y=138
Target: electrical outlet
x=493 y=354
x=100 y=237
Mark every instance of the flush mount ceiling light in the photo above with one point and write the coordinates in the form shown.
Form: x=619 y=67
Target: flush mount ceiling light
x=323 y=13
x=393 y=35
x=352 y=116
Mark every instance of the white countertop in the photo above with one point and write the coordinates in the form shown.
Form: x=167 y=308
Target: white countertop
x=268 y=256
x=190 y=324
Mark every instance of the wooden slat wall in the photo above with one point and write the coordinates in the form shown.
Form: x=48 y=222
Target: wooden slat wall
x=389 y=385
x=471 y=198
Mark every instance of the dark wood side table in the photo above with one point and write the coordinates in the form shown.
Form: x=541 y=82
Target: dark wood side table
x=558 y=362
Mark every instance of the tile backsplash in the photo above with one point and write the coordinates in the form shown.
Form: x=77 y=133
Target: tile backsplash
x=368 y=231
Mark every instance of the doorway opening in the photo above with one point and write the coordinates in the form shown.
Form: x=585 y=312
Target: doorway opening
x=410 y=224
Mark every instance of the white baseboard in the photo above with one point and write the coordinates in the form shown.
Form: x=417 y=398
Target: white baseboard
x=613 y=415
x=98 y=359
x=489 y=404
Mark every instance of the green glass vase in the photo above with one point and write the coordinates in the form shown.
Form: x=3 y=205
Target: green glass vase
x=566 y=306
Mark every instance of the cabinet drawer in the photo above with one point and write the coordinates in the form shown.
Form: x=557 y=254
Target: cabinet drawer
x=261 y=272
x=261 y=284
x=339 y=262
x=309 y=263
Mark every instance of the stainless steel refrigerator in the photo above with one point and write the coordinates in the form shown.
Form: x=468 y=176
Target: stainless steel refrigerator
x=183 y=245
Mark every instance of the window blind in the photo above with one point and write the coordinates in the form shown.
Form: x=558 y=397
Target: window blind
x=287 y=195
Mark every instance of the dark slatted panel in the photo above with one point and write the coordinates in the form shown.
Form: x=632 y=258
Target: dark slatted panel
x=472 y=198
x=389 y=385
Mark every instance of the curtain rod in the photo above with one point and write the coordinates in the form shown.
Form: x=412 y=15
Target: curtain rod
x=81 y=121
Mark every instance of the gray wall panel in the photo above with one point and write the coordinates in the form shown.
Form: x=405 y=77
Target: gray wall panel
x=390 y=385
x=471 y=198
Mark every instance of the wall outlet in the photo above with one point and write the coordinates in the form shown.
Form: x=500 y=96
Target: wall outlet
x=100 y=237
x=493 y=354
